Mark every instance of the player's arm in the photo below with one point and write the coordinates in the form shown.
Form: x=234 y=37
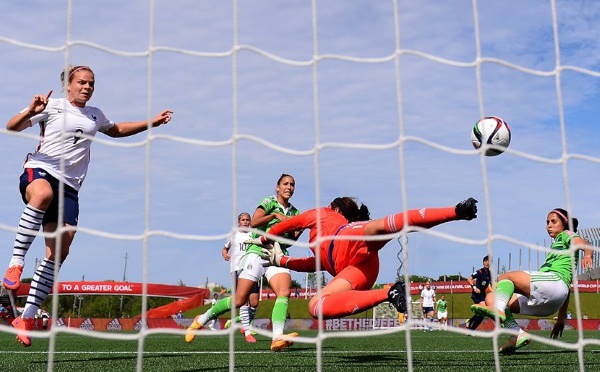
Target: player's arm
x=559 y=326
x=303 y=265
x=473 y=283
x=22 y=120
x=275 y=257
x=226 y=247
x=306 y=220
x=225 y=253
x=587 y=261
x=126 y=129
x=261 y=218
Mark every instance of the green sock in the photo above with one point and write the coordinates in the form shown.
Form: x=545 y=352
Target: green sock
x=279 y=315
x=222 y=306
x=510 y=321
x=504 y=291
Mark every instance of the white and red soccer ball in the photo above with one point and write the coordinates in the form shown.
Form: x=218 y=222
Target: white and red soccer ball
x=492 y=133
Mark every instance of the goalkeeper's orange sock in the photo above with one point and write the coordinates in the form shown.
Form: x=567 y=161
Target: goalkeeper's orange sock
x=346 y=303
x=426 y=217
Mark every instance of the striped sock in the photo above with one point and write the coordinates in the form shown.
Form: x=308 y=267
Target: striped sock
x=251 y=313
x=41 y=286
x=245 y=317
x=29 y=225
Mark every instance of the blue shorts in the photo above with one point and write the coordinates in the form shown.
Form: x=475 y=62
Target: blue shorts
x=427 y=309
x=478 y=297
x=71 y=198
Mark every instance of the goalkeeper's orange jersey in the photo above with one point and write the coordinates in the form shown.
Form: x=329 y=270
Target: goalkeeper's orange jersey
x=335 y=255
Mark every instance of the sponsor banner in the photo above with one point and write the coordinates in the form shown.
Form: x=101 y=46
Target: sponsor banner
x=462 y=286
x=123 y=288
x=584 y=286
x=345 y=324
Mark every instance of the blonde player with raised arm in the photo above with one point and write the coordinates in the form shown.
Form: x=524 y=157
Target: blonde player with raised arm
x=67 y=127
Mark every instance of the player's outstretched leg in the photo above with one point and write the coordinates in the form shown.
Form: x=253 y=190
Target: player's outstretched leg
x=397 y=296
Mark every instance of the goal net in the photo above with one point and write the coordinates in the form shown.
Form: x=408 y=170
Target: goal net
x=374 y=100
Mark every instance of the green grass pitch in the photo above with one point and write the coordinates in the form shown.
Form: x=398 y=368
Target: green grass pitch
x=164 y=352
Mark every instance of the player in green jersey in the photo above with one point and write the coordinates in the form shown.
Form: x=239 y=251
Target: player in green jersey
x=442 y=312
x=543 y=292
x=271 y=210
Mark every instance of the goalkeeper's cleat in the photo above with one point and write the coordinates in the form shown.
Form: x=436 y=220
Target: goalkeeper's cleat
x=250 y=338
x=279 y=344
x=514 y=343
x=466 y=209
x=227 y=324
x=397 y=296
x=490 y=312
x=190 y=333
x=12 y=277
x=24 y=324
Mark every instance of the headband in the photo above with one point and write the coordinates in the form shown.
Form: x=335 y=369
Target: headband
x=560 y=214
x=79 y=68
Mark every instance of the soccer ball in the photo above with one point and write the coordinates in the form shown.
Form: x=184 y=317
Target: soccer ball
x=491 y=131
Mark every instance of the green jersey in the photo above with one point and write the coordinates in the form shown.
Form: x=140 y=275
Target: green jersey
x=560 y=263
x=442 y=305
x=271 y=205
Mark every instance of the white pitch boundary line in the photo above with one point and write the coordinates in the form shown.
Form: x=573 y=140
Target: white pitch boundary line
x=292 y=352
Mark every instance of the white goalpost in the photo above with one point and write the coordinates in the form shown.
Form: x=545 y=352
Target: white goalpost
x=374 y=100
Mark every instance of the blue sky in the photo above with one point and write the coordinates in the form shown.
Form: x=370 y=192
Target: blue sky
x=260 y=88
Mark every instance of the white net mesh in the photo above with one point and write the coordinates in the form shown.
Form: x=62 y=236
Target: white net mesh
x=374 y=100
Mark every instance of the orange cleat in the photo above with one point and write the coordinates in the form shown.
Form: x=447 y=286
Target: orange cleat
x=24 y=324
x=250 y=339
x=279 y=344
x=12 y=277
x=190 y=333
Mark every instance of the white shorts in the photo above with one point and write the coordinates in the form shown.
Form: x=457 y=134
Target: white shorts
x=547 y=294
x=442 y=314
x=252 y=268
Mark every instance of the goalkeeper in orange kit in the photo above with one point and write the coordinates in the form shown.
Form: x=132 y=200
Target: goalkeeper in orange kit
x=352 y=258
